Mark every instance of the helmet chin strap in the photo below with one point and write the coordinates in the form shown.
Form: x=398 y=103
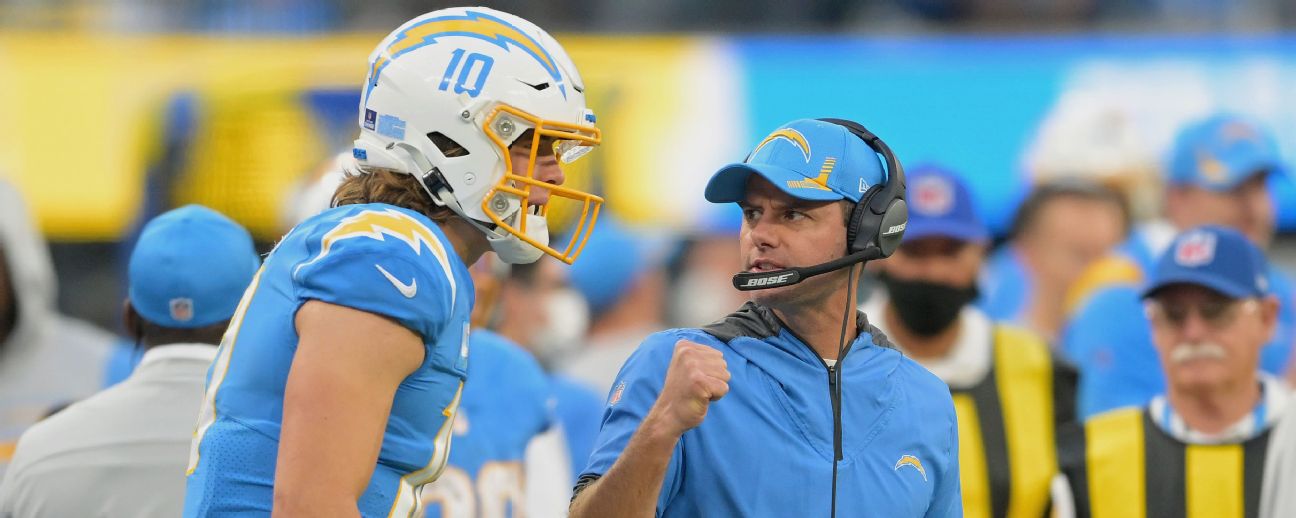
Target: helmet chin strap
x=509 y=247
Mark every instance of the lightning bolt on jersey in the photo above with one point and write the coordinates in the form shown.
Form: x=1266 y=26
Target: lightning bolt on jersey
x=375 y=258
x=504 y=405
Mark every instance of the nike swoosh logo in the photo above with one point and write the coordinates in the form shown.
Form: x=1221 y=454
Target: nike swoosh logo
x=408 y=290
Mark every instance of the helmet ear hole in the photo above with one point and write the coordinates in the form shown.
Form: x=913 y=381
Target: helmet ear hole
x=447 y=145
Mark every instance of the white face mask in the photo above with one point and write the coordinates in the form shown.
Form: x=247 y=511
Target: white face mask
x=700 y=298
x=567 y=320
x=513 y=250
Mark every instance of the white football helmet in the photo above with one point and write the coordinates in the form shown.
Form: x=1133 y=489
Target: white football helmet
x=479 y=78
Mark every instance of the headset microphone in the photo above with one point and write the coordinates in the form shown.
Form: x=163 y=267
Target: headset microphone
x=751 y=281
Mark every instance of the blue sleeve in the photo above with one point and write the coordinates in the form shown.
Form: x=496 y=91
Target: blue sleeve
x=633 y=394
x=531 y=379
x=947 y=498
x=415 y=291
x=579 y=409
x=1111 y=344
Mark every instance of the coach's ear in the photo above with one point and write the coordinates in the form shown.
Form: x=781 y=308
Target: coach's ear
x=132 y=321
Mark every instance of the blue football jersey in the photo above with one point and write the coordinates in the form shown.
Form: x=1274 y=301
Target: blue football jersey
x=376 y=258
x=505 y=404
x=580 y=410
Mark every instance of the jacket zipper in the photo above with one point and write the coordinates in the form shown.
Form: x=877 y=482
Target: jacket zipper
x=835 y=397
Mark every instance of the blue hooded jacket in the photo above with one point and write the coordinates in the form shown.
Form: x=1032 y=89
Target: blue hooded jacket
x=766 y=448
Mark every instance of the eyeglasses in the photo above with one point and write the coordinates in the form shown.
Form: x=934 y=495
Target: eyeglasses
x=1216 y=313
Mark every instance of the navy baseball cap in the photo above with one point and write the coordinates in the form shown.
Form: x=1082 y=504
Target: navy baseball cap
x=807 y=159
x=1222 y=151
x=940 y=205
x=190 y=267
x=1218 y=258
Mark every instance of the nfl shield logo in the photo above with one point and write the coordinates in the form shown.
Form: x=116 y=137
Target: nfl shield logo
x=370 y=117
x=932 y=196
x=616 y=394
x=1195 y=249
x=182 y=309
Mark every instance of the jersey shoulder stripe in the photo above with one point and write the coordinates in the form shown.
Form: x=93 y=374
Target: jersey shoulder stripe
x=382 y=229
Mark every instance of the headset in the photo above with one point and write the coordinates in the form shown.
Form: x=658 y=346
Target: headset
x=874 y=230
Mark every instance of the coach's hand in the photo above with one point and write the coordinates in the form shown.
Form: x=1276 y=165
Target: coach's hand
x=696 y=377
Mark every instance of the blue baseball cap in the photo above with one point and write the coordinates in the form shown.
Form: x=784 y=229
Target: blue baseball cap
x=807 y=159
x=1222 y=151
x=190 y=267
x=614 y=257
x=940 y=205
x=1218 y=258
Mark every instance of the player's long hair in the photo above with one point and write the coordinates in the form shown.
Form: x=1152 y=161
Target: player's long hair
x=390 y=187
x=377 y=185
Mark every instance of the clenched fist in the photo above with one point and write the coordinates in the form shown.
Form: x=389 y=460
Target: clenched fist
x=696 y=377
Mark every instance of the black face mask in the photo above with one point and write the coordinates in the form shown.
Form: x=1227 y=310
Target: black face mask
x=927 y=308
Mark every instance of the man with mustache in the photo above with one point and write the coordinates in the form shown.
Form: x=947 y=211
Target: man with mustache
x=1199 y=449
x=743 y=417
x=1218 y=173
x=1009 y=391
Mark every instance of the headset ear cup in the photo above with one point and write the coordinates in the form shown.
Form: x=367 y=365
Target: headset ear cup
x=892 y=228
x=854 y=225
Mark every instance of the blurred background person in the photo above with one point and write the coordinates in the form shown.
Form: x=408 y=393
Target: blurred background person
x=1010 y=393
x=1200 y=447
x=508 y=456
x=1217 y=173
x=1059 y=230
x=122 y=452
x=47 y=360
x=552 y=330
x=701 y=282
x=621 y=278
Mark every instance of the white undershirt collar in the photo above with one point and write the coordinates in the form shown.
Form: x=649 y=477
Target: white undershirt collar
x=180 y=351
x=1273 y=401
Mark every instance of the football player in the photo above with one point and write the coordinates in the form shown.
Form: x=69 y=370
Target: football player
x=335 y=388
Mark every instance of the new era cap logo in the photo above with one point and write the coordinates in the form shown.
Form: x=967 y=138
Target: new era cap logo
x=932 y=196
x=1195 y=249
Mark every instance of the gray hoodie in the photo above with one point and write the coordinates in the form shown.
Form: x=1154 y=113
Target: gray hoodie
x=47 y=359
